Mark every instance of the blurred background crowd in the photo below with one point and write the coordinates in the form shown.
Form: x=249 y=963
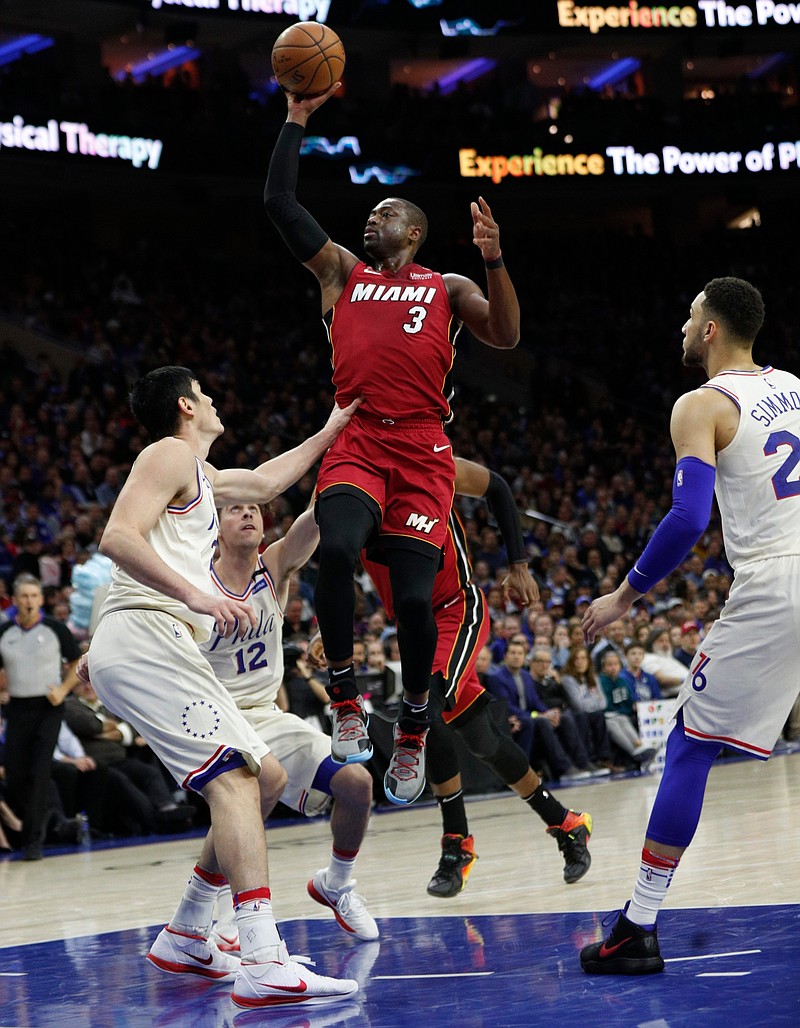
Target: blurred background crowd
x=108 y=275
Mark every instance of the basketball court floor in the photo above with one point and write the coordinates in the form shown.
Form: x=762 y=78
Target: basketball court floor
x=74 y=927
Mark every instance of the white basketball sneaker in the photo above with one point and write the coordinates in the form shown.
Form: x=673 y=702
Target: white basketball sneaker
x=280 y=981
x=349 y=909
x=179 y=953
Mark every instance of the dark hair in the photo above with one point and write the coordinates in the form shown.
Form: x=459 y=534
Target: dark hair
x=655 y=634
x=570 y=669
x=154 y=399
x=737 y=304
x=416 y=216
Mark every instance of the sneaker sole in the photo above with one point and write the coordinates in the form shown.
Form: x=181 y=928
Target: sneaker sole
x=576 y=878
x=624 y=965
x=353 y=758
x=278 y=1000
x=397 y=800
x=204 y=972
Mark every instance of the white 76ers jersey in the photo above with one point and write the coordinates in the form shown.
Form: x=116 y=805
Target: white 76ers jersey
x=184 y=537
x=251 y=668
x=758 y=473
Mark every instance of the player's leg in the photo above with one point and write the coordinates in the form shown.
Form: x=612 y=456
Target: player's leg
x=271 y=783
x=632 y=947
x=412 y=573
x=571 y=829
x=345 y=523
x=332 y=886
x=458 y=847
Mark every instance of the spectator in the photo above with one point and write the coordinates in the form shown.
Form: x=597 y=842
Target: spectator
x=586 y=696
x=613 y=638
x=305 y=693
x=87 y=579
x=645 y=685
x=659 y=661
x=145 y=803
x=582 y=735
x=509 y=627
x=533 y=725
x=620 y=712
x=560 y=648
x=689 y=643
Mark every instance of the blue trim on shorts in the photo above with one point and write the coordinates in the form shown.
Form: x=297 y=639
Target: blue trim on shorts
x=226 y=761
x=325 y=772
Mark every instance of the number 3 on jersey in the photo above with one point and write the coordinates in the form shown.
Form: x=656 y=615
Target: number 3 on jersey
x=418 y=316
x=780 y=480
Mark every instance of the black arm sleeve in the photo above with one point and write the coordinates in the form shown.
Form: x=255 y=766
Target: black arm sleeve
x=501 y=502
x=300 y=231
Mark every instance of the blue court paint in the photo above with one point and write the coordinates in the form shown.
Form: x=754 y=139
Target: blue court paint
x=734 y=966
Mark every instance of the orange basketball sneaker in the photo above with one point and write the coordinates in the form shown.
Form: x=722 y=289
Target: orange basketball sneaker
x=572 y=836
x=455 y=864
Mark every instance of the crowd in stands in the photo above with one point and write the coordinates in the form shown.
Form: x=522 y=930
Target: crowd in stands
x=587 y=456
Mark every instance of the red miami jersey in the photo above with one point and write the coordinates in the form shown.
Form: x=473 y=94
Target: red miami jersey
x=392 y=339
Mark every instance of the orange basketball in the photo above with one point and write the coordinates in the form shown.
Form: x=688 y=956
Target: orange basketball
x=308 y=58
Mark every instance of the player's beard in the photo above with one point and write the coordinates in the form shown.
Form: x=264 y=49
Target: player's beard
x=693 y=355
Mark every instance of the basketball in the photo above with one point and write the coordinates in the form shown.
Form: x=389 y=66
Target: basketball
x=308 y=58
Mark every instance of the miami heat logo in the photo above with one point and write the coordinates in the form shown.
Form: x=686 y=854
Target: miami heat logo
x=200 y=719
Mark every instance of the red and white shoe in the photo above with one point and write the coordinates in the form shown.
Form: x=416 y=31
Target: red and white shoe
x=282 y=982
x=179 y=953
x=227 y=939
x=349 y=909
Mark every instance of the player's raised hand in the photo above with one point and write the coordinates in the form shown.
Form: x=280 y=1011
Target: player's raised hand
x=340 y=417
x=306 y=105
x=603 y=611
x=315 y=652
x=485 y=230
x=521 y=584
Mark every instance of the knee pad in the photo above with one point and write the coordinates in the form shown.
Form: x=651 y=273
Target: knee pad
x=441 y=761
x=487 y=743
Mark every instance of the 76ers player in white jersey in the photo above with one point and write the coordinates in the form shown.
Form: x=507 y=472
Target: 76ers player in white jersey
x=738 y=435
x=145 y=665
x=251 y=669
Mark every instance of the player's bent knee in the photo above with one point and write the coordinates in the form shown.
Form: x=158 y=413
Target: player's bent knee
x=271 y=783
x=481 y=737
x=238 y=784
x=352 y=784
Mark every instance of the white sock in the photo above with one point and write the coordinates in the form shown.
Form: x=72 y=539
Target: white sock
x=655 y=876
x=196 y=908
x=256 y=923
x=340 y=868
x=226 y=915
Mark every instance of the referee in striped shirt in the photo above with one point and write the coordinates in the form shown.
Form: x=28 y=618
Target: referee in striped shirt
x=33 y=651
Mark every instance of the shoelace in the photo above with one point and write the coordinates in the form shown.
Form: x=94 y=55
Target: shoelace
x=348 y=711
x=405 y=759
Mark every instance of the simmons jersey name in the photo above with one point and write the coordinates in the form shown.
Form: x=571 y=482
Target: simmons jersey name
x=758 y=472
x=250 y=668
x=392 y=339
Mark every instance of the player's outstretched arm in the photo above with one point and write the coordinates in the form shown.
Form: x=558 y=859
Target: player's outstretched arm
x=475 y=480
x=274 y=476
x=306 y=239
x=292 y=552
x=495 y=319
